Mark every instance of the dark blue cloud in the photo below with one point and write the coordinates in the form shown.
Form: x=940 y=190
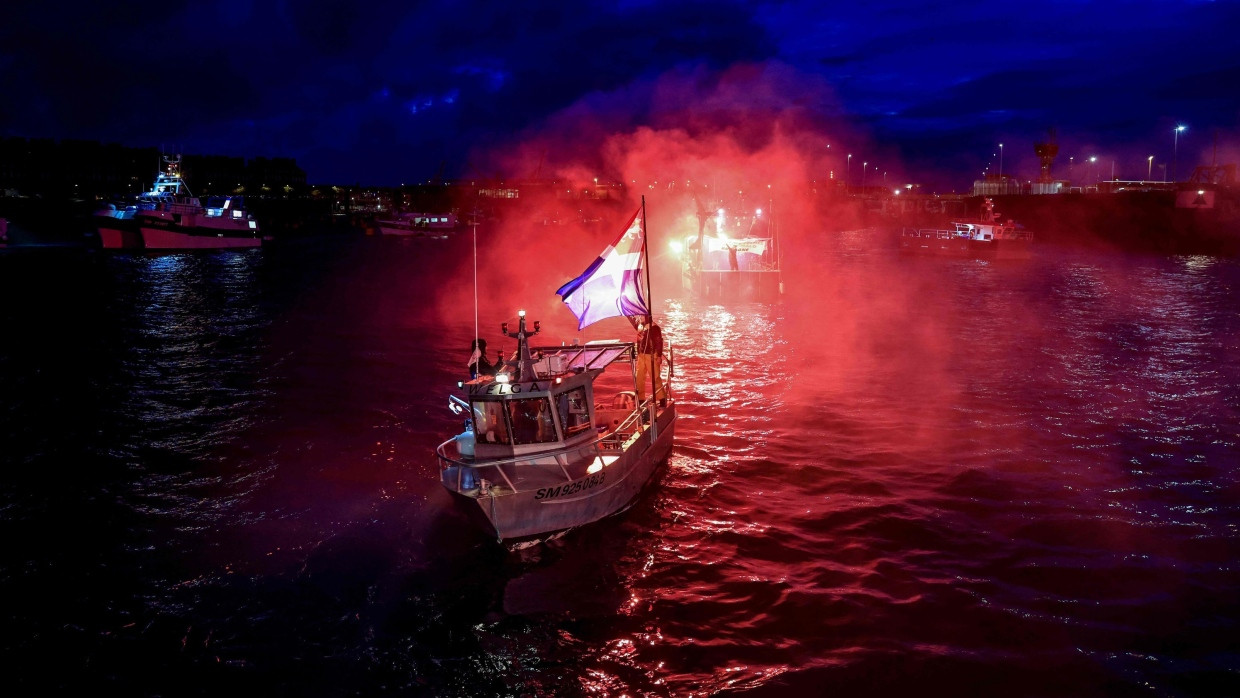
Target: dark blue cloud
x=383 y=92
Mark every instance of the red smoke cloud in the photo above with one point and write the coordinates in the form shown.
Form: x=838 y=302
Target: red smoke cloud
x=759 y=133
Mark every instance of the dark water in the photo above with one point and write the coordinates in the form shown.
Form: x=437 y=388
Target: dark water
x=914 y=477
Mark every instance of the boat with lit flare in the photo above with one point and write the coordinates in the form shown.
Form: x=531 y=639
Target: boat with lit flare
x=734 y=255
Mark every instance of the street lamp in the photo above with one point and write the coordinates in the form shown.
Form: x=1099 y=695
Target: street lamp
x=848 y=175
x=1175 y=154
x=1093 y=176
x=1149 y=171
x=1000 y=161
x=863 y=164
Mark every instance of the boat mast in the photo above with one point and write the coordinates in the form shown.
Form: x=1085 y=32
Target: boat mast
x=525 y=361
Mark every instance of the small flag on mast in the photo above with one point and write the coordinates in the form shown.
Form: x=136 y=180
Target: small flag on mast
x=611 y=286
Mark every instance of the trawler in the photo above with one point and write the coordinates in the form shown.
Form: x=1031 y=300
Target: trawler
x=734 y=256
x=563 y=436
x=551 y=443
x=169 y=217
x=986 y=238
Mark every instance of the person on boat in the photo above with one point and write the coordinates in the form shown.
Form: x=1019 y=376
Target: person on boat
x=478 y=364
x=732 y=261
x=649 y=357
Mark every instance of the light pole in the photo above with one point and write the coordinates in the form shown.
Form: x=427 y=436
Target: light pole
x=1149 y=171
x=1093 y=160
x=848 y=176
x=1175 y=153
x=1000 y=161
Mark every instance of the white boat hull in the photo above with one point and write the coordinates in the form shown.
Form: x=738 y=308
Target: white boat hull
x=542 y=512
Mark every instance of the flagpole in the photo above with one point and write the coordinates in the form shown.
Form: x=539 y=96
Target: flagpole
x=654 y=360
x=646 y=256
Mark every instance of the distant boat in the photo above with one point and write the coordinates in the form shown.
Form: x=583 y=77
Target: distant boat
x=735 y=255
x=984 y=238
x=545 y=449
x=418 y=224
x=169 y=217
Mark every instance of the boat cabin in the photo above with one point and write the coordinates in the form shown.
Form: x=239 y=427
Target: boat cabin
x=550 y=409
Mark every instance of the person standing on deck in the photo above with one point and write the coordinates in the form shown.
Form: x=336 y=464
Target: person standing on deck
x=649 y=358
x=478 y=364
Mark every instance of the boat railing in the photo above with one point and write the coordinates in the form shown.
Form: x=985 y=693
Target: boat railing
x=933 y=233
x=609 y=443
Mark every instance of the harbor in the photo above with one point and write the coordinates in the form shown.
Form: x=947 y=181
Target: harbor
x=658 y=350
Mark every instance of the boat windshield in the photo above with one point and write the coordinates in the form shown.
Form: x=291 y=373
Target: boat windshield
x=515 y=422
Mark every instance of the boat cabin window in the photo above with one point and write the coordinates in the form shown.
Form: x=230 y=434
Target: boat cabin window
x=516 y=422
x=490 y=426
x=574 y=411
x=531 y=421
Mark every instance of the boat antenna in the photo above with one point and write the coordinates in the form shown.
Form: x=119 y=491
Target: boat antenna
x=473 y=219
x=779 y=250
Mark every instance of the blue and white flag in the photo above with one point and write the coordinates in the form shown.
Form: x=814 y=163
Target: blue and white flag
x=611 y=286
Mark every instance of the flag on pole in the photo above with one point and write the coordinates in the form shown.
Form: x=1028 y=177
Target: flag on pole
x=611 y=286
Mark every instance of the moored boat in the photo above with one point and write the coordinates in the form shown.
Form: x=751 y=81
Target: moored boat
x=985 y=238
x=117 y=223
x=169 y=217
x=418 y=224
x=186 y=224
x=554 y=440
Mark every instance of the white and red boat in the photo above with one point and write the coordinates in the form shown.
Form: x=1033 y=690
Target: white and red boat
x=169 y=217
x=186 y=224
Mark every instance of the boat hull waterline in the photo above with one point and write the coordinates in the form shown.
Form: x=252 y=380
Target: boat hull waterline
x=537 y=513
x=945 y=243
x=170 y=239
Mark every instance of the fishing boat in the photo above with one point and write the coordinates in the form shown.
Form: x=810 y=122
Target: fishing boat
x=563 y=436
x=169 y=217
x=734 y=255
x=186 y=223
x=418 y=224
x=985 y=238
x=117 y=223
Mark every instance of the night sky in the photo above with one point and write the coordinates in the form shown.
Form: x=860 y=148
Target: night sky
x=385 y=92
